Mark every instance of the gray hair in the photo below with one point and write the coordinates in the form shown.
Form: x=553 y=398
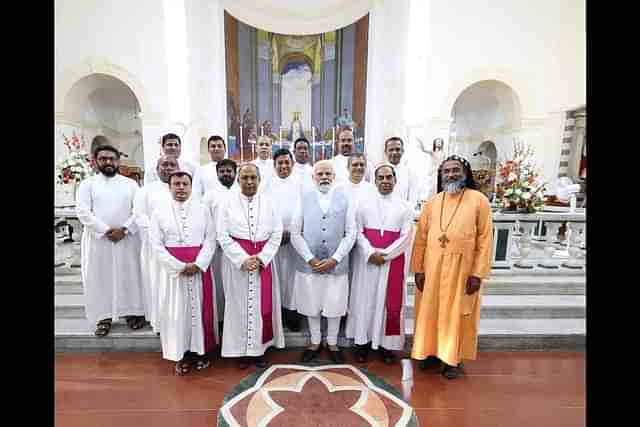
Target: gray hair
x=356 y=155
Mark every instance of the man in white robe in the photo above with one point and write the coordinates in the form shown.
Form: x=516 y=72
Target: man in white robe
x=302 y=170
x=250 y=232
x=341 y=159
x=410 y=186
x=356 y=186
x=284 y=190
x=208 y=174
x=153 y=196
x=264 y=162
x=183 y=242
x=323 y=231
x=110 y=247
x=381 y=265
x=213 y=199
x=171 y=145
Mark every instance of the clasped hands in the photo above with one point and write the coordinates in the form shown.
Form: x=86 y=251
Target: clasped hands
x=115 y=234
x=324 y=266
x=190 y=269
x=472 y=286
x=252 y=263
x=377 y=258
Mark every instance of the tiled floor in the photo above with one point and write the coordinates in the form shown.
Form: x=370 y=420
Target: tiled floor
x=498 y=390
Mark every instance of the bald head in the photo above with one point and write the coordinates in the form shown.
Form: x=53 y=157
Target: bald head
x=248 y=179
x=165 y=167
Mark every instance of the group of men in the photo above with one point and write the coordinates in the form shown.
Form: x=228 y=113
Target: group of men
x=220 y=258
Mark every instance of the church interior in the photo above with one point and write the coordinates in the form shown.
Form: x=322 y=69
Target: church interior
x=492 y=81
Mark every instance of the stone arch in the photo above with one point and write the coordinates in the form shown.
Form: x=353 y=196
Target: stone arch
x=517 y=83
x=99 y=66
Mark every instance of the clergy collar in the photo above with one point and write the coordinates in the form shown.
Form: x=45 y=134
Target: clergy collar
x=184 y=204
x=259 y=160
x=243 y=197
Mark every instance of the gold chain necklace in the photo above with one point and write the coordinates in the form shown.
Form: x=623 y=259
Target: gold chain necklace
x=443 y=238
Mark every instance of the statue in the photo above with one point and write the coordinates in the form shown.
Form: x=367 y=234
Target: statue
x=296 y=130
x=345 y=121
x=436 y=156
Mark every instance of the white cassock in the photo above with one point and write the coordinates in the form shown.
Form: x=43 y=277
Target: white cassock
x=110 y=271
x=340 y=163
x=285 y=193
x=367 y=320
x=356 y=192
x=322 y=294
x=251 y=221
x=208 y=178
x=151 y=197
x=410 y=186
x=304 y=173
x=151 y=175
x=266 y=170
x=180 y=319
x=213 y=199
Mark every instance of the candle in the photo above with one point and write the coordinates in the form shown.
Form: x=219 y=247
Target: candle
x=241 y=147
x=313 y=147
x=280 y=132
x=261 y=130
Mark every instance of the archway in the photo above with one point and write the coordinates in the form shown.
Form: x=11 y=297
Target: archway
x=100 y=104
x=486 y=110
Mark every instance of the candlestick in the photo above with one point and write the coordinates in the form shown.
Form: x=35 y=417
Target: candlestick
x=261 y=130
x=313 y=147
x=241 y=147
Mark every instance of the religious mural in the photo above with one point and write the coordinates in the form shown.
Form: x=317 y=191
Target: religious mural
x=288 y=86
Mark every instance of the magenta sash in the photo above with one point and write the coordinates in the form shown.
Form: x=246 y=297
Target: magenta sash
x=266 y=303
x=189 y=254
x=395 y=279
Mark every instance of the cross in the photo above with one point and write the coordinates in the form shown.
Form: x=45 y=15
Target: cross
x=443 y=240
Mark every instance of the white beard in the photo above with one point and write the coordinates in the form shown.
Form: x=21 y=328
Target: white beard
x=324 y=188
x=454 y=186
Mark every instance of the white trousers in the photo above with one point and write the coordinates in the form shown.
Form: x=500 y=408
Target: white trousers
x=333 y=327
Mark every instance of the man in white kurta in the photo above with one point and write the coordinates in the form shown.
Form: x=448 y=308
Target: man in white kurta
x=323 y=231
x=208 y=174
x=110 y=247
x=183 y=242
x=410 y=186
x=302 y=170
x=381 y=264
x=151 y=197
x=341 y=159
x=284 y=190
x=171 y=145
x=250 y=232
x=263 y=161
x=213 y=199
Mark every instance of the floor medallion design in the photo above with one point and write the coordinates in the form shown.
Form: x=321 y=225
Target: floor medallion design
x=329 y=395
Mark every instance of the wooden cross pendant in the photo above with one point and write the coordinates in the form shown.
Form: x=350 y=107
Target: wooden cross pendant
x=443 y=240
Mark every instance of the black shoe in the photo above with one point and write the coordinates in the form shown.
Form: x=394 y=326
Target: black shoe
x=450 y=372
x=260 y=362
x=336 y=356
x=294 y=321
x=362 y=353
x=387 y=356
x=308 y=355
x=429 y=362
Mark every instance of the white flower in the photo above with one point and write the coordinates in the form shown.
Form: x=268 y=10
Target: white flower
x=518 y=192
x=509 y=192
x=526 y=196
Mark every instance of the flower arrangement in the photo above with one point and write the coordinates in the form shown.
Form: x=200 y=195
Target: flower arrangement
x=77 y=166
x=518 y=186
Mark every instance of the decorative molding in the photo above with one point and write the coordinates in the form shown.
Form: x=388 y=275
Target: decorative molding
x=98 y=66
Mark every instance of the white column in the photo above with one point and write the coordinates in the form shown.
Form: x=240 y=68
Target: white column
x=387 y=51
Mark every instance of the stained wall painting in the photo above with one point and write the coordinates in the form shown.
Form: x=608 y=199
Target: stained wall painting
x=287 y=86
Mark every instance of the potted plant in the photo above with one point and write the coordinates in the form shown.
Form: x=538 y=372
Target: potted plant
x=76 y=166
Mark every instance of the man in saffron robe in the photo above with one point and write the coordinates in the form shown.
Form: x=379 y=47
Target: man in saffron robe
x=451 y=256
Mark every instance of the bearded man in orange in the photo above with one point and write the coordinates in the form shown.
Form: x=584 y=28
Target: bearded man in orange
x=451 y=256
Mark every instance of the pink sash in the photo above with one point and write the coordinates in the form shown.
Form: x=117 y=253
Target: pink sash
x=189 y=254
x=266 y=303
x=395 y=279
